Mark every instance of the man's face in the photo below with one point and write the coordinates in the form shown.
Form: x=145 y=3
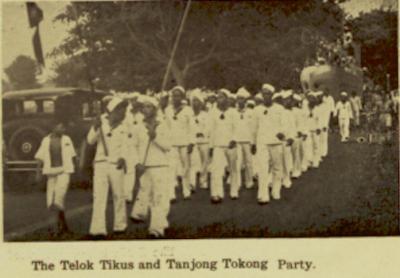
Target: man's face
x=164 y=102
x=177 y=97
x=259 y=101
x=267 y=96
x=222 y=100
x=59 y=129
x=212 y=99
x=117 y=115
x=241 y=102
x=197 y=104
x=287 y=102
x=232 y=102
x=148 y=110
x=343 y=98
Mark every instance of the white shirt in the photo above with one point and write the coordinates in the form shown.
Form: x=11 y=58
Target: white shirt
x=300 y=119
x=67 y=153
x=355 y=103
x=245 y=129
x=222 y=128
x=313 y=119
x=324 y=114
x=116 y=139
x=290 y=124
x=180 y=124
x=330 y=103
x=268 y=123
x=343 y=110
x=158 y=148
x=201 y=127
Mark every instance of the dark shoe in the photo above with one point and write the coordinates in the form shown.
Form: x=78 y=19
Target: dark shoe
x=136 y=221
x=173 y=201
x=215 y=201
x=96 y=237
x=262 y=203
x=234 y=198
x=119 y=233
x=155 y=235
x=187 y=198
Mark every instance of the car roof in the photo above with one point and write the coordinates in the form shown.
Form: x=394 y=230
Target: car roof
x=48 y=93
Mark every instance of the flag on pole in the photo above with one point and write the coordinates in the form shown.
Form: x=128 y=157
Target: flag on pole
x=35 y=16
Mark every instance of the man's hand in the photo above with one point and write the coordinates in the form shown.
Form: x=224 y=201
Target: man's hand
x=280 y=136
x=253 y=149
x=121 y=164
x=140 y=169
x=232 y=144
x=324 y=129
x=97 y=123
x=152 y=134
x=290 y=142
x=318 y=131
x=190 y=148
x=299 y=134
x=304 y=137
x=210 y=152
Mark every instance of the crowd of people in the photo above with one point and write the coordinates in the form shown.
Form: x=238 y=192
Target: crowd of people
x=200 y=138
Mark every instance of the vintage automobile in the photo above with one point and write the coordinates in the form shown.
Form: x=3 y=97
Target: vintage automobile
x=28 y=116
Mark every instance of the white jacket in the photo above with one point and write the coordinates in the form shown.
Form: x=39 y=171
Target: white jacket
x=268 y=123
x=201 y=127
x=343 y=110
x=222 y=128
x=245 y=129
x=67 y=153
x=180 y=123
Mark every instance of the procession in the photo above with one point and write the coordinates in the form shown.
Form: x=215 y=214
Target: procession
x=166 y=138
x=199 y=119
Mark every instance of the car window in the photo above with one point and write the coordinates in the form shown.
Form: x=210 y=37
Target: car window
x=48 y=106
x=30 y=106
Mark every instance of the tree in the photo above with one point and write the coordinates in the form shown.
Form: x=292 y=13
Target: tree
x=224 y=43
x=22 y=73
x=5 y=86
x=71 y=73
x=376 y=31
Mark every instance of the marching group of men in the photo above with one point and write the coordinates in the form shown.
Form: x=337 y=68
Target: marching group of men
x=274 y=138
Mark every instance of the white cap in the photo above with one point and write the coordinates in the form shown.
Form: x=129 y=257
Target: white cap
x=179 y=88
x=259 y=96
x=297 y=97
x=250 y=101
x=147 y=99
x=286 y=94
x=276 y=95
x=343 y=94
x=211 y=94
x=269 y=87
x=133 y=95
x=319 y=93
x=232 y=96
x=164 y=94
x=225 y=92
x=114 y=103
x=107 y=98
x=242 y=92
x=184 y=102
x=196 y=93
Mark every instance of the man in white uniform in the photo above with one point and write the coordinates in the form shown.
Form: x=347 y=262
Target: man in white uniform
x=356 y=107
x=109 y=168
x=315 y=131
x=325 y=116
x=223 y=148
x=290 y=134
x=152 y=142
x=299 y=118
x=269 y=135
x=344 y=114
x=179 y=117
x=201 y=129
x=245 y=135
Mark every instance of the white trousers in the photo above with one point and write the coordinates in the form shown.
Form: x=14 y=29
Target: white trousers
x=296 y=157
x=153 y=197
x=56 y=190
x=316 y=154
x=199 y=163
x=221 y=157
x=306 y=153
x=172 y=178
x=129 y=184
x=106 y=174
x=344 y=124
x=181 y=167
x=287 y=165
x=246 y=159
x=270 y=159
x=356 y=117
x=324 y=143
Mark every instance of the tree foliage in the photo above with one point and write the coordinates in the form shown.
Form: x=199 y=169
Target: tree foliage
x=22 y=73
x=376 y=31
x=224 y=43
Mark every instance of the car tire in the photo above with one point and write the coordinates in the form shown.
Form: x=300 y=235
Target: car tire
x=25 y=142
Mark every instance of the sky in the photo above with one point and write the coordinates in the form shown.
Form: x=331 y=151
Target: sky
x=17 y=36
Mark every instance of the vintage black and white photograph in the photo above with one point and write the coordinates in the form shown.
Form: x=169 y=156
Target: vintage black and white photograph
x=164 y=120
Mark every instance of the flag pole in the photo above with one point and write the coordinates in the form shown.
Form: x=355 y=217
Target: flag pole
x=75 y=13
x=170 y=63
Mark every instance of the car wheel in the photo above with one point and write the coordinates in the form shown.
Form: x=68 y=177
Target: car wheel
x=25 y=142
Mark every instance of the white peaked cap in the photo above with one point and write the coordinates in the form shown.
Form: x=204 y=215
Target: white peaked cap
x=211 y=94
x=259 y=96
x=269 y=87
x=133 y=95
x=311 y=94
x=250 y=101
x=107 y=98
x=114 y=103
x=297 y=97
x=226 y=92
x=344 y=94
x=196 y=93
x=319 y=93
x=276 y=95
x=232 y=96
x=179 y=88
x=184 y=101
x=242 y=92
x=147 y=99
x=286 y=94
